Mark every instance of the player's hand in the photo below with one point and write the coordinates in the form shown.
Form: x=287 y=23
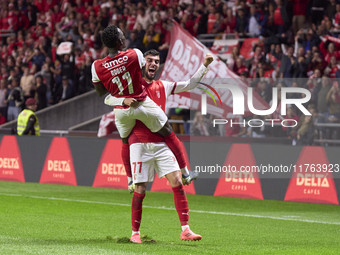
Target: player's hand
x=130 y=102
x=208 y=59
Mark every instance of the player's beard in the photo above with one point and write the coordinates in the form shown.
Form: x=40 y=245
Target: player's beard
x=145 y=74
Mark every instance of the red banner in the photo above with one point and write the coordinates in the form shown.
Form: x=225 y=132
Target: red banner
x=111 y=171
x=239 y=180
x=312 y=181
x=185 y=56
x=58 y=167
x=247 y=47
x=10 y=160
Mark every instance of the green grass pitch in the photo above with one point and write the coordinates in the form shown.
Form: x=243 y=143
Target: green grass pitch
x=54 y=219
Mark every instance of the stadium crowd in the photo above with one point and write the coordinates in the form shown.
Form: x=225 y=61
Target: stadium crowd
x=298 y=46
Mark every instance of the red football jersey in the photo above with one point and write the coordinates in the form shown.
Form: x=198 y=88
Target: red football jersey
x=158 y=91
x=121 y=75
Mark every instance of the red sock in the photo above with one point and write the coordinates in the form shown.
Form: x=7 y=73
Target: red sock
x=176 y=147
x=181 y=204
x=136 y=210
x=126 y=159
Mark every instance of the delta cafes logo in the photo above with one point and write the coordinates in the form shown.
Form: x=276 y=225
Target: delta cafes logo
x=111 y=171
x=58 y=167
x=234 y=182
x=10 y=160
x=306 y=184
x=239 y=180
x=9 y=163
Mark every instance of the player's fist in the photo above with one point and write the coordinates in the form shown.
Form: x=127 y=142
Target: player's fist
x=130 y=102
x=208 y=59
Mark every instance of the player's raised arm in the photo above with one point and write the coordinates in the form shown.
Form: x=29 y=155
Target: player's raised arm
x=98 y=85
x=192 y=83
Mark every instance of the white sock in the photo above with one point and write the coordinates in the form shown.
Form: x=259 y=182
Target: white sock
x=129 y=179
x=135 y=232
x=185 y=227
x=185 y=170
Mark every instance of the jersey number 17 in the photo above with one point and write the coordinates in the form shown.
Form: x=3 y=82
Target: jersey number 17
x=126 y=76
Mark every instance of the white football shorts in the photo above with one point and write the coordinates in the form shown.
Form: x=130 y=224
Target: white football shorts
x=147 y=112
x=145 y=158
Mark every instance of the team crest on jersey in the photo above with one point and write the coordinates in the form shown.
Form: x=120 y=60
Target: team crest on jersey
x=158 y=94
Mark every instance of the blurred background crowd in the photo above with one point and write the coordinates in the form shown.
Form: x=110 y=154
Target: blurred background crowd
x=298 y=46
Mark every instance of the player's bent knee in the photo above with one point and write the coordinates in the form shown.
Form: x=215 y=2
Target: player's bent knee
x=140 y=188
x=175 y=179
x=166 y=129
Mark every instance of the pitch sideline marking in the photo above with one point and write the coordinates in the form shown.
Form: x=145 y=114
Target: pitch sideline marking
x=173 y=209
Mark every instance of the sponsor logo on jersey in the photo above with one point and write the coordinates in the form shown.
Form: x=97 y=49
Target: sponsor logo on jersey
x=115 y=62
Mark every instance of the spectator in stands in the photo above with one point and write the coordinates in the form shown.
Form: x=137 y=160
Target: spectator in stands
x=39 y=92
x=330 y=9
x=135 y=42
x=286 y=63
x=143 y=18
x=305 y=134
x=67 y=66
x=15 y=99
x=256 y=23
x=64 y=92
x=85 y=82
x=26 y=82
x=280 y=18
x=155 y=37
x=332 y=100
x=200 y=125
x=3 y=94
x=317 y=11
x=235 y=54
x=229 y=21
x=235 y=130
x=331 y=51
x=322 y=99
x=265 y=91
x=332 y=68
x=46 y=74
x=291 y=115
x=241 y=23
x=239 y=67
x=299 y=68
x=299 y=14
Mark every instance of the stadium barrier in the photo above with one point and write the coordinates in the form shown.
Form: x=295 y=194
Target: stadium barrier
x=276 y=172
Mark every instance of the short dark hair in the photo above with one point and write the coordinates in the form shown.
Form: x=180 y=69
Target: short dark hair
x=151 y=52
x=110 y=37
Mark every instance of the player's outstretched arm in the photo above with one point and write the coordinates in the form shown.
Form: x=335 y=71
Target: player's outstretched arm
x=193 y=81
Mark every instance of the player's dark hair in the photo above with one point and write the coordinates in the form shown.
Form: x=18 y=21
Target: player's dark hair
x=110 y=37
x=151 y=52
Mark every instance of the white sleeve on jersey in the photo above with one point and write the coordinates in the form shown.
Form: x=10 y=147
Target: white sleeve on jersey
x=181 y=86
x=113 y=101
x=141 y=58
x=95 y=78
